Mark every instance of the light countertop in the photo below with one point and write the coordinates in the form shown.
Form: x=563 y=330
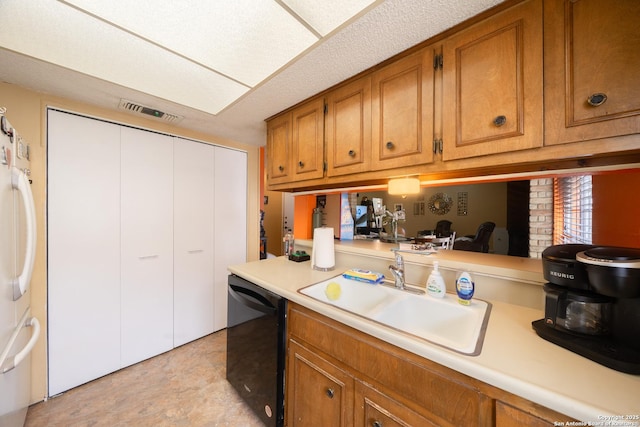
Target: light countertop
x=513 y=357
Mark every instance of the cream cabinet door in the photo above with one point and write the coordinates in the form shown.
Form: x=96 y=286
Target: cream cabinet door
x=147 y=244
x=83 y=239
x=193 y=177
x=230 y=221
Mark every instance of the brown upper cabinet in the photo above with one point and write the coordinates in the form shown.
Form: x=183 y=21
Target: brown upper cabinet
x=530 y=85
x=402 y=112
x=295 y=144
x=383 y=120
x=592 y=69
x=279 y=149
x=308 y=140
x=492 y=85
x=348 y=128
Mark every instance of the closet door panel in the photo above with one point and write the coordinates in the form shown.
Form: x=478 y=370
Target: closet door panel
x=83 y=242
x=147 y=244
x=230 y=223
x=193 y=240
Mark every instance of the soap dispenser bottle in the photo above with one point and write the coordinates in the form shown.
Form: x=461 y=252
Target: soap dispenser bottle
x=465 y=288
x=435 y=283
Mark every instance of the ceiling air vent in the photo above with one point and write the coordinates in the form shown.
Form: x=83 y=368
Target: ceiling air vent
x=148 y=111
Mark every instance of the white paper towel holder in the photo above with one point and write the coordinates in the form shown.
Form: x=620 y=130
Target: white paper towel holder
x=315 y=267
x=315 y=249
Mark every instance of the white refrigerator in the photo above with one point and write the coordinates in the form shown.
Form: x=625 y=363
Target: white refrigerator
x=19 y=331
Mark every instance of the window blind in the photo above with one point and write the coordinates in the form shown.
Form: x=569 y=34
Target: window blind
x=572 y=210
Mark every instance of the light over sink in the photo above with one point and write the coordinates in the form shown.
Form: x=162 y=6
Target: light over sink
x=441 y=321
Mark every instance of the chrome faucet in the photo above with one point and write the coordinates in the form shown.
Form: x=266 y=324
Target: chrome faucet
x=398 y=271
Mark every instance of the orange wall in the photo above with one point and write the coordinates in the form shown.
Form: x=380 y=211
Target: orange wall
x=616 y=209
x=302 y=222
x=262 y=177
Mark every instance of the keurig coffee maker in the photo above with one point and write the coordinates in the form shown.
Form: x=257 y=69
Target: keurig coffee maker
x=592 y=303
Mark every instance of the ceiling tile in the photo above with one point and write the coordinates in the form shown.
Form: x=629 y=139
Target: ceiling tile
x=64 y=36
x=327 y=15
x=245 y=40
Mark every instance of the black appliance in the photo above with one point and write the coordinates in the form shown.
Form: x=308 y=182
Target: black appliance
x=592 y=303
x=256 y=343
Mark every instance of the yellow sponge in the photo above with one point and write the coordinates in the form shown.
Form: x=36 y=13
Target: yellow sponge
x=333 y=291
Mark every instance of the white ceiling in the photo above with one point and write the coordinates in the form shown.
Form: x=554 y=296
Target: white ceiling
x=224 y=66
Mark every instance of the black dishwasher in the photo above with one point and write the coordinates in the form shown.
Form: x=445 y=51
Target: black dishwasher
x=256 y=348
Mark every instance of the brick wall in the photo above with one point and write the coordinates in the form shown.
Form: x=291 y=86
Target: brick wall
x=540 y=216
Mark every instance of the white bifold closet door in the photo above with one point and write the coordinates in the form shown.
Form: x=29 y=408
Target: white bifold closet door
x=193 y=290
x=83 y=227
x=230 y=223
x=147 y=244
x=141 y=229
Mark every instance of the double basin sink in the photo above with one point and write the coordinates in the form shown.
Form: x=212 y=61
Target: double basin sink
x=440 y=321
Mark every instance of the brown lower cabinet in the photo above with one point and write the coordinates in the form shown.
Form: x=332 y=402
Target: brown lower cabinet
x=378 y=409
x=507 y=415
x=339 y=376
x=323 y=392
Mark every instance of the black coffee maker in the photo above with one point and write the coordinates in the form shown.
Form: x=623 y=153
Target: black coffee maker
x=592 y=303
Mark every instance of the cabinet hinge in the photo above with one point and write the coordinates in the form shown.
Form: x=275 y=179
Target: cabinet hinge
x=437 y=146
x=437 y=61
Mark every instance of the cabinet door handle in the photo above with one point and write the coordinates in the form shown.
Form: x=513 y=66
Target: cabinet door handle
x=596 y=99
x=280 y=168
x=330 y=393
x=352 y=153
x=500 y=120
x=389 y=145
x=376 y=423
x=301 y=163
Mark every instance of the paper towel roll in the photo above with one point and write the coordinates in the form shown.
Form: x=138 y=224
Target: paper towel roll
x=322 y=256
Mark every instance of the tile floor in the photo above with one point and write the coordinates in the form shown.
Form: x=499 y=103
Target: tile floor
x=183 y=387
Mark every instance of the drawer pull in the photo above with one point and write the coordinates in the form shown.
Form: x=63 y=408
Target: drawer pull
x=596 y=99
x=301 y=163
x=376 y=423
x=499 y=121
x=330 y=393
x=389 y=145
x=281 y=168
x=352 y=153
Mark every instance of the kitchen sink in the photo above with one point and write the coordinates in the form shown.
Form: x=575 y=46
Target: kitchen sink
x=441 y=321
x=355 y=297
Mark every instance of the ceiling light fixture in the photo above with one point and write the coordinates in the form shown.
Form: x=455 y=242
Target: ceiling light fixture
x=404 y=186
